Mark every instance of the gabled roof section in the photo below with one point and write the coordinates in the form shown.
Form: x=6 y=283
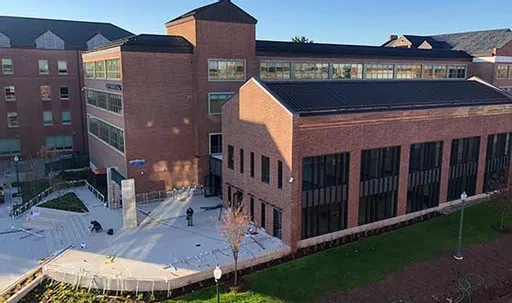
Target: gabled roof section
x=221 y=11
x=24 y=31
x=279 y=48
x=337 y=97
x=151 y=43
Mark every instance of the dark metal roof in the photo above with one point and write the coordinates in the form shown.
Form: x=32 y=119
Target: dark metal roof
x=221 y=11
x=152 y=43
x=334 y=97
x=23 y=31
x=279 y=48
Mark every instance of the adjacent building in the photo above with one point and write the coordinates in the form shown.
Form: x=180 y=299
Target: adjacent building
x=309 y=159
x=41 y=80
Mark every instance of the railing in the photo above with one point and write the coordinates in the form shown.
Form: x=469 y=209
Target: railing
x=152 y=196
x=19 y=209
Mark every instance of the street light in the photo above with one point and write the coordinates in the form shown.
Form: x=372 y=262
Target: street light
x=458 y=253
x=217 y=274
x=16 y=160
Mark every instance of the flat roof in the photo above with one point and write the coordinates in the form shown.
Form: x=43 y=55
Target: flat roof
x=336 y=97
x=151 y=43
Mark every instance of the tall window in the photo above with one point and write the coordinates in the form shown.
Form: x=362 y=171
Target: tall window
x=502 y=72
x=62 y=67
x=99 y=69
x=251 y=208
x=89 y=70
x=43 y=67
x=113 y=69
x=278 y=223
x=275 y=70
x=226 y=70
x=311 y=70
x=434 y=71
x=378 y=71
x=12 y=120
x=279 y=174
x=64 y=93
x=231 y=157
x=408 y=71
x=497 y=161
x=9 y=147
x=215 y=102
x=265 y=169
x=347 y=71
x=215 y=143
x=7 y=67
x=107 y=101
x=47 y=118
x=66 y=117
x=45 y=93
x=241 y=160
x=115 y=104
x=252 y=165
x=10 y=93
x=59 y=142
x=463 y=167
x=262 y=215
x=109 y=134
x=456 y=71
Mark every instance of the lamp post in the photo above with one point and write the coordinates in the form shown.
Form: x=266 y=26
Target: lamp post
x=217 y=274
x=458 y=253
x=16 y=160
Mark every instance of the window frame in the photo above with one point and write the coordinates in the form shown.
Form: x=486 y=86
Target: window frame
x=210 y=79
x=62 y=117
x=336 y=65
x=11 y=64
x=274 y=65
x=98 y=121
x=96 y=69
x=307 y=70
x=47 y=72
x=279 y=174
x=9 y=116
x=457 y=67
x=382 y=73
x=59 y=69
x=45 y=122
x=210 y=135
x=10 y=151
x=242 y=160
x=90 y=63
x=5 y=93
x=210 y=94
x=117 y=73
x=49 y=93
x=265 y=169
x=252 y=164
x=411 y=66
x=507 y=68
x=63 y=138
x=61 y=95
x=231 y=157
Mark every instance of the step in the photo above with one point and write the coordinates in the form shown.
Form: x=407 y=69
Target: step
x=72 y=231
x=49 y=236
x=84 y=227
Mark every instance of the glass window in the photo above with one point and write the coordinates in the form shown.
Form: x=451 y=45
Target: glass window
x=114 y=103
x=109 y=134
x=347 y=71
x=311 y=70
x=251 y=207
x=215 y=144
x=215 y=102
x=275 y=70
x=428 y=72
x=63 y=67
x=12 y=120
x=457 y=71
x=7 y=67
x=10 y=93
x=66 y=117
x=439 y=71
x=64 y=93
x=408 y=71
x=9 y=147
x=89 y=69
x=113 y=69
x=278 y=223
x=43 y=67
x=226 y=70
x=99 y=69
x=102 y=99
x=279 y=174
x=501 y=72
x=378 y=71
x=510 y=71
x=59 y=142
x=91 y=97
x=265 y=169
x=231 y=157
x=47 y=118
x=252 y=165
x=262 y=215
x=241 y=160
x=45 y=93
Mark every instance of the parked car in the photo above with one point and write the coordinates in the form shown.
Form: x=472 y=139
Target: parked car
x=2 y=195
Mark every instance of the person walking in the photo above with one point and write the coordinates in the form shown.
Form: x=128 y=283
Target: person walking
x=190 y=214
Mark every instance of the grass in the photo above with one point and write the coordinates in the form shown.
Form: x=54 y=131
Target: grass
x=69 y=202
x=31 y=189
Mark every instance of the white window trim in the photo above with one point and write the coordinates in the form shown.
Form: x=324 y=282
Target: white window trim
x=106 y=69
x=101 y=140
x=17 y=119
x=276 y=61
x=58 y=69
x=50 y=93
x=102 y=109
x=93 y=72
x=62 y=150
x=47 y=123
x=12 y=67
x=210 y=143
x=70 y=119
x=39 y=69
x=5 y=95
x=508 y=70
x=60 y=93
x=217 y=93
x=225 y=59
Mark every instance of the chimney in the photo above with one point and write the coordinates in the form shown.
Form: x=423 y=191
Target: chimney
x=393 y=37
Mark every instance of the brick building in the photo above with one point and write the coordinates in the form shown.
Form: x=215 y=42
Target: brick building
x=311 y=159
x=41 y=79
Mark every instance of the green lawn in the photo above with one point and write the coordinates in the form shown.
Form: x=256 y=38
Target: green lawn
x=361 y=262
x=32 y=188
x=69 y=202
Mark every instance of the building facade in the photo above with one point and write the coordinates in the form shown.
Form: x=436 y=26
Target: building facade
x=310 y=159
x=41 y=80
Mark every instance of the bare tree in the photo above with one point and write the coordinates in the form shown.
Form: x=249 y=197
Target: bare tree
x=501 y=197
x=232 y=228
x=46 y=154
x=301 y=39
x=58 y=184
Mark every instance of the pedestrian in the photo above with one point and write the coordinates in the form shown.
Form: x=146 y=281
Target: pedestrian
x=190 y=214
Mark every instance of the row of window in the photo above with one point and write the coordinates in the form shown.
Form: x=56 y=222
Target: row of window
x=104 y=100
x=504 y=71
x=314 y=70
x=13 y=146
x=43 y=67
x=45 y=93
x=103 y=69
x=13 y=121
x=108 y=133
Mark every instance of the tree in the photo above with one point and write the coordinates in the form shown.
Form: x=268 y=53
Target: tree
x=501 y=197
x=302 y=39
x=46 y=154
x=232 y=228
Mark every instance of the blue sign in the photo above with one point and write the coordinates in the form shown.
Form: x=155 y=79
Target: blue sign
x=137 y=162
x=114 y=86
x=63 y=157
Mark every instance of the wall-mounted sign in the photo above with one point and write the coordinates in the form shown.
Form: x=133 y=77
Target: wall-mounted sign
x=137 y=162
x=114 y=86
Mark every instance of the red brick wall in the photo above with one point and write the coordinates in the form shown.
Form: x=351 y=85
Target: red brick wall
x=185 y=28
x=506 y=50
x=29 y=105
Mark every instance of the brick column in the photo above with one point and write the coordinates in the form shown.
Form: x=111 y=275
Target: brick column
x=481 y=165
x=129 y=204
x=510 y=173
x=353 y=188
x=445 y=170
x=405 y=152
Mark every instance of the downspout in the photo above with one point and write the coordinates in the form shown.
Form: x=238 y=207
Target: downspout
x=82 y=114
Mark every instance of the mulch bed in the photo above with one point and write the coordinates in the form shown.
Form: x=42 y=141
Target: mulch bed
x=436 y=280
